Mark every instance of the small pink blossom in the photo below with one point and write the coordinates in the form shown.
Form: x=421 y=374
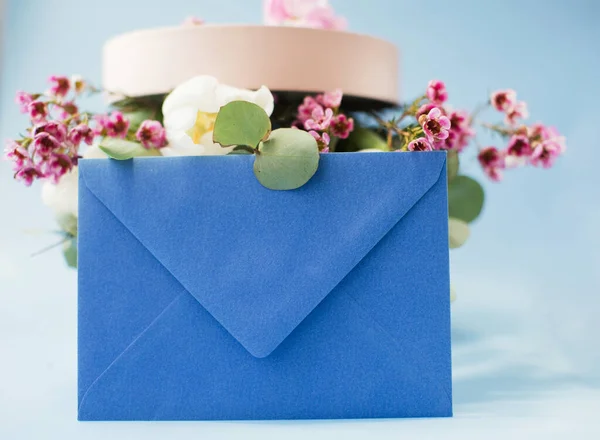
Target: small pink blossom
x=320 y=120
x=503 y=100
x=37 y=111
x=460 y=131
x=113 y=125
x=539 y=132
x=331 y=99
x=45 y=144
x=491 y=157
x=420 y=144
x=305 y=110
x=192 y=21
x=494 y=173
x=545 y=154
x=67 y=109
x=517 y=111
x=56 y=166
x=341 y=126
x=57 y=130
x=435 y=125
x=16 y=153
x=322 y=139
x=23 y=99
x=60 y=86
x=152 y=134
x=324 y=17
x=27 y=175
x=436 y=92
x=424 y=109
x=519 y=146
x=81 y=132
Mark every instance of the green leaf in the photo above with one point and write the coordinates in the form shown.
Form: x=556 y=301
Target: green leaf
x=458 y=232
x=121 y=149
x=240 y=150
x=68 y=223
x=364 y=139
x=287 y=160
x=452 y=163
x=70 y=252
x=136 y=117
x=465 y=198
x=241 y=123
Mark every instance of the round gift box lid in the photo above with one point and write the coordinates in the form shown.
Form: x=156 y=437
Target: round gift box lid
x=290 y=59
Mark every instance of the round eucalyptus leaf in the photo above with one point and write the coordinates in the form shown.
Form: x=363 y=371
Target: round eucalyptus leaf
x=121 y=149
x=364 y=139
x=241 y=123
x=287 y=160
x=452 y=163
x=70 y=252
x=465 y=198
x=458 y=232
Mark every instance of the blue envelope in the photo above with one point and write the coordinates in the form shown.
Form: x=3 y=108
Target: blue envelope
x=205 y=296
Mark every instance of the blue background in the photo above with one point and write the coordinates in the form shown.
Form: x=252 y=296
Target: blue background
x=528 y=281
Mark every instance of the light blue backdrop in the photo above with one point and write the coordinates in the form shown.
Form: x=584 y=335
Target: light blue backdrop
x=528 y=280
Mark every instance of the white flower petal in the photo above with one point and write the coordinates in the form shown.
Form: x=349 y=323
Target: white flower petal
x=262 y=97
x=62 y=197
x=198 y=92
x=180 y=119
x=211 y=148
x=180 y=144
x=94 y=152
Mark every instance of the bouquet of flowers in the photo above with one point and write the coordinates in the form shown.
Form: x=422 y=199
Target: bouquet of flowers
x=287 y=134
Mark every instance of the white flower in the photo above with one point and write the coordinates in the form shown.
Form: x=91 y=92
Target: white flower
x=190 y=111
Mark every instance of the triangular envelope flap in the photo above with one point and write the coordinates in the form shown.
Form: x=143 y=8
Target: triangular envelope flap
x=259 y=260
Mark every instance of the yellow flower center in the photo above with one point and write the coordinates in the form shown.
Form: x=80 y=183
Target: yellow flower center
x=205 y=123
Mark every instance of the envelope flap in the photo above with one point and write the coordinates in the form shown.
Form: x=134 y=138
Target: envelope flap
x=258 y=260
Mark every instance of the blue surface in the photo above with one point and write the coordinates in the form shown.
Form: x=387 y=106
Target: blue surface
x=231 y=301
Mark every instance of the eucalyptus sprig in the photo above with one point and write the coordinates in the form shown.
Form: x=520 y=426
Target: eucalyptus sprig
x=285 y=158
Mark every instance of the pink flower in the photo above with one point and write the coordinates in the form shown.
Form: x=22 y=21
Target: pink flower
x=435 y=125
x=424 y=109
x=305 y=110
x=494 y=173
x=491 y=157
x=56 y=166
x=152 y=134
x=436 y=92
x=37 y=111
x=539 y=132
x=460 y=131
x=503 y=100
x=545 y=154
x=114 y=125
x=322 y=139
x=420 y=144
x=331 y=99
x=60 y=86
x=309 y=13
x=192 y=21
x=44 y=144
x=341 y=126
x=27 y=175
x=517 y=111
x=57 y=130
x=67 y=109
x=23 y=99
x=518 y=146
x=81 y=132
x=320 y=120
x=17 y=154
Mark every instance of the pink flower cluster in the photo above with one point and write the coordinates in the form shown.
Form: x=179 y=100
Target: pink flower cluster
x=308 y=13
x=320 y=116
x=50 y=149
x=444 y=129
x=537 y=145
